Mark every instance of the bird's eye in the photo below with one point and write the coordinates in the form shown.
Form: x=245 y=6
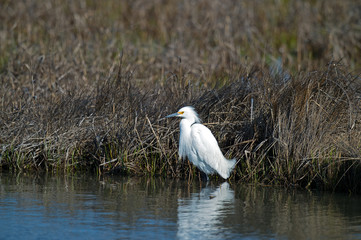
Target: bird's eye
x=181 y=113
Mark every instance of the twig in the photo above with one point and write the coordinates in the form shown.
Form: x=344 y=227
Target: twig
x=113 y=160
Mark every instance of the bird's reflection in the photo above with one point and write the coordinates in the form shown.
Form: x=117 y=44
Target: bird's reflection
x=202 y=213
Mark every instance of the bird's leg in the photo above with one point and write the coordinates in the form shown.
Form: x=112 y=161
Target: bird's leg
x=190 y=174
x=203 y=177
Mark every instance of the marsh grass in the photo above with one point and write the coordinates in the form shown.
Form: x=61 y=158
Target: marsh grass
x=85 y=86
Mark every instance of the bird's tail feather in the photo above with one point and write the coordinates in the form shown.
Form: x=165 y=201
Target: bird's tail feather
x=227 y=168
x=231 y=164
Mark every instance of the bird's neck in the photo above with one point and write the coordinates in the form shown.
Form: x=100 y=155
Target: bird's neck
x=185 y=125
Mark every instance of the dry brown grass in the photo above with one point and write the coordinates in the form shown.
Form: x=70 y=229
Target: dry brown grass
x=85 y=84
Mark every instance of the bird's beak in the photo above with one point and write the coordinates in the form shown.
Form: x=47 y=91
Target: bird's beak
x=173 y=115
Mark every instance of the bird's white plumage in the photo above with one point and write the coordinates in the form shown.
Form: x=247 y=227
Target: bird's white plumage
x=197 y=143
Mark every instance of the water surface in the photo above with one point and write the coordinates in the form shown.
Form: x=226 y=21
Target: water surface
x=90 y=207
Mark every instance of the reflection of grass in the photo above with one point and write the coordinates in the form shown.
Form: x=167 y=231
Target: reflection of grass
x=292 y=208
x=68 y=103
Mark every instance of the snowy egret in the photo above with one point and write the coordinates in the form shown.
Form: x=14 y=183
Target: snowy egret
x=197 y=143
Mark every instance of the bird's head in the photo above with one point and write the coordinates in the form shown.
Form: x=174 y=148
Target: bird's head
x=187 y=113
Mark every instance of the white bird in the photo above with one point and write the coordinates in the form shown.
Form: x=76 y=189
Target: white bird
x=197 y=143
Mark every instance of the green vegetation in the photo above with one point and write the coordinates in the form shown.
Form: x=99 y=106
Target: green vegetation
x=84 y=86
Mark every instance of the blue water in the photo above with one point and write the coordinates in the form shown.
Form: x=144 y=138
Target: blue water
x=88 y=207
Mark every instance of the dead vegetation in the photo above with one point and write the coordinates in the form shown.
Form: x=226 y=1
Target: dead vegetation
x=86 y=84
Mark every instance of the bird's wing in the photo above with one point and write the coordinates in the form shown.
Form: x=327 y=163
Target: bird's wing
x=205 y=146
